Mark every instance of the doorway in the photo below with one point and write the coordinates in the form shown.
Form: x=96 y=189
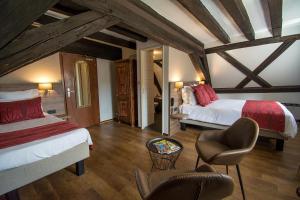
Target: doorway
x=81 y=88
x=152 y=88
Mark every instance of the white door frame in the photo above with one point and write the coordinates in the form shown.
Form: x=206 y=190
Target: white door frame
x=165 y=87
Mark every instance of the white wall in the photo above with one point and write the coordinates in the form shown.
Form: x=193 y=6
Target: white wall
x=285 y=70
x=181 y=67
x=44 y=70
x=106 y=86
x=147 y=88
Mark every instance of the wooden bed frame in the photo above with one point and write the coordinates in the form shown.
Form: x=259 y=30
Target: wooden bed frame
x=15 y=178
x=262 y=132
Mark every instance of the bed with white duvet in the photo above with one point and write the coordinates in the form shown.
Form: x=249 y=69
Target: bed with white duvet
x=227 y=111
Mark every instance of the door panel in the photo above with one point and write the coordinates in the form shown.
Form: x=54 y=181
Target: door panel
x=125 y=90
x=81 y=87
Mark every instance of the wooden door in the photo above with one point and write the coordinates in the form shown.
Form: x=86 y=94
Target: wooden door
x=125 y=91
x=81 y=88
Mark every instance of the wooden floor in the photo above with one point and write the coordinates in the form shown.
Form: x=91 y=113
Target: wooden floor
x=120 y=149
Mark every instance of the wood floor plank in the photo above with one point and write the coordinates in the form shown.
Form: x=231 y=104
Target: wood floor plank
x=120 y=149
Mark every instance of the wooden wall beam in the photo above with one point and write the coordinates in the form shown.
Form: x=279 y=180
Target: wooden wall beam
x=239 y=66
x=198 y=10
x=143 y=18
x=198 y=65
x=256 y=42
x=239 y=14
x=158 y=62
x=274 y=89
x=37 y=43
x=206 y=66
x=275 y=10
x=16 y=16
x=284 y=46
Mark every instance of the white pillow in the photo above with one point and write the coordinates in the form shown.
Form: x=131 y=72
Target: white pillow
x=188 y=95
x=185 y=95
x=19 y=95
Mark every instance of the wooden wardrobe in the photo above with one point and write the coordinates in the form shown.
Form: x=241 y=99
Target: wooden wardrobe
x=126 y=91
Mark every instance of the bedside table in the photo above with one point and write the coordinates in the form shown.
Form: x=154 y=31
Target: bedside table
x=179 y=116
x=175 y=126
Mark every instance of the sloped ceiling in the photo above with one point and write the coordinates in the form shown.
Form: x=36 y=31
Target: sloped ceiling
x=256 y=9
x=283 y=71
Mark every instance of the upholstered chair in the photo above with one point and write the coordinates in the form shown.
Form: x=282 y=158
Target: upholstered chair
x=202 y=184
x=228 y=147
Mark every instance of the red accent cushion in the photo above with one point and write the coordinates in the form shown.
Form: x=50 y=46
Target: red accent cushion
x=211 y=92
x=15 y=111
x=201 y=95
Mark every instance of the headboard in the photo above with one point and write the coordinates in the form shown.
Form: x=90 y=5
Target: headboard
x=54 y=101
x=176 y=95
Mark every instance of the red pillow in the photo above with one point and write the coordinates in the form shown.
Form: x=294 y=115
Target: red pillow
x=15 y=111
x=211 y=92
x=201 y=95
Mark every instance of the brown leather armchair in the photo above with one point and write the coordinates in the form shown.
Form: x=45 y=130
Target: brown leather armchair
x=202 y=184
x=228 y=147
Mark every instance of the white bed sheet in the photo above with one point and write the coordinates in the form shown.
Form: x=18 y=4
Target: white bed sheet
x=227 y=111
x=23 y=154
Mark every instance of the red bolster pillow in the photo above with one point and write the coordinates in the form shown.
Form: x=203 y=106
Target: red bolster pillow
x=211 y=92
x=201 y=95
x=15 y=111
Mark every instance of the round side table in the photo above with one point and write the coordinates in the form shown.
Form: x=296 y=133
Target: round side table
x=163 y=161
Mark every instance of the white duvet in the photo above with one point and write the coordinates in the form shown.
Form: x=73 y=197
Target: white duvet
x=23 y=154
x=227 y=111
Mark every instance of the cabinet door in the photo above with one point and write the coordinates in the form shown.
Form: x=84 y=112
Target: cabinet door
x=123 y=91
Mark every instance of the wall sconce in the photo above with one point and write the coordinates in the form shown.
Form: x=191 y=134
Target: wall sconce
x=201 y=82
x=178 y=85
x=45 y=87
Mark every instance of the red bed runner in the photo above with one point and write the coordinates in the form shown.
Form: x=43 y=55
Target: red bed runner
x=268 y=114
x=14 y=138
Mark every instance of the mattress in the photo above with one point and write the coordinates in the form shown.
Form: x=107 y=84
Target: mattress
x=227 y=111
x=27 y=153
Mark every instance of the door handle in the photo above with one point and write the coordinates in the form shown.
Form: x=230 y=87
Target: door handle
x=69 y=91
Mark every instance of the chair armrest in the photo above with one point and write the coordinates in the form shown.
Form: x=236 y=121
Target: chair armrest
x=142 y=183
x=230 y=157
x=211 y=135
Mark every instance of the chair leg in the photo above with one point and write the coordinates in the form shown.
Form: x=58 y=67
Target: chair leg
x=227 y=169
x=241 y=182
x=198 y=158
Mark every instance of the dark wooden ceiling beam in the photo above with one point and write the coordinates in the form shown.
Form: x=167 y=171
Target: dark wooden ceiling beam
x=37 y=43
x=284 y=46
x=113 y=40
x=92 y=49
x=239 y=66
x=128 y=33
x=45 y=19
x=199 y=66
x=256 y=42
x=239 y=14
x=275 y=10
x=16 y=16
x=276 y=89
x=140 y=16
x=199 y=11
